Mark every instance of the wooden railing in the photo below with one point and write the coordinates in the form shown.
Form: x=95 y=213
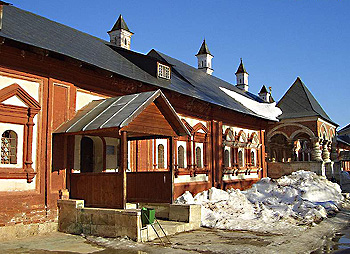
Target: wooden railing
x=153 y=187
x=97 y=189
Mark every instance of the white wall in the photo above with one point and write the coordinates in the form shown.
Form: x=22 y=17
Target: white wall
x=33 y=89
x=112 y=159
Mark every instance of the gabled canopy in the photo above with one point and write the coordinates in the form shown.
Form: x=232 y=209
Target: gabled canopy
x=118 y=113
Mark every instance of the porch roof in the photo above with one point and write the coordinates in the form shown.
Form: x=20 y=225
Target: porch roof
x=118 y=112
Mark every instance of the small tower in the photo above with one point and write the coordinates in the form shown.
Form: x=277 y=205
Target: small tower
x=120 y=34
x=264 y=94
x=204 y=59
x=242 y=77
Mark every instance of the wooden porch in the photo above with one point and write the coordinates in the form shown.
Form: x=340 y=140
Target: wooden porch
x=142 y=116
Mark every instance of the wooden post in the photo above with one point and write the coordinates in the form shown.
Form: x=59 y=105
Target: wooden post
x=171 y=166
x=263 y=160
x=124 y=165
x=214 y=152
x=220 y=155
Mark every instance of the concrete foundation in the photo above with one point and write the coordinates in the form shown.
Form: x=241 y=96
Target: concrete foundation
x=22 y=230
x=74 y=218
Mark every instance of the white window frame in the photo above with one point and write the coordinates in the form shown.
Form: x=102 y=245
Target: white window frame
x=163 y=71
x=184 y=144
x=163 y=142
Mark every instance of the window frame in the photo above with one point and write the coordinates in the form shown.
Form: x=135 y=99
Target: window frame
x=20 y=115
x=163 y=71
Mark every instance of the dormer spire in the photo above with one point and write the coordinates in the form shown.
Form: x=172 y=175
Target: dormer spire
x=265 y=95
x=120 y=34
x=241 y=68
x=204 y=58
x=242 y=77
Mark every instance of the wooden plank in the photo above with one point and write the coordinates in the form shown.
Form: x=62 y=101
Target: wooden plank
x=154 y=187
x=98 y=189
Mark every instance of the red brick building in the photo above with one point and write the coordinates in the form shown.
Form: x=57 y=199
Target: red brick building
x=167 y=127
x=303 y=137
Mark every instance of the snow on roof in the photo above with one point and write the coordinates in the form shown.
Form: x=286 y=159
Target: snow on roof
x=267 y=110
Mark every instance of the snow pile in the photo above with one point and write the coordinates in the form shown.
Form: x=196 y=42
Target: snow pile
x=301 y=198
x=268 y=110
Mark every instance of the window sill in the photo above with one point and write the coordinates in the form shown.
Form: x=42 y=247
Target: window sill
x=18 y=175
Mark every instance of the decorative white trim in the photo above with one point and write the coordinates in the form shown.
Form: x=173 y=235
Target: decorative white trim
x=189 y=179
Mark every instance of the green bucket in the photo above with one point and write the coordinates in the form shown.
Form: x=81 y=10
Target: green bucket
x=147 y=215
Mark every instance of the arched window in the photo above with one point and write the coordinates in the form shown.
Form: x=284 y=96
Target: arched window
x=202 y=63
x=199 y=157
x=252 y=155
x=240 y=159
x=125 y=41
x=227 y=158
x=161 y=156
x=181 y=157
x=9 y=147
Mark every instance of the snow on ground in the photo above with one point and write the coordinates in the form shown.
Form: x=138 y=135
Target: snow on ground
x=302 y=198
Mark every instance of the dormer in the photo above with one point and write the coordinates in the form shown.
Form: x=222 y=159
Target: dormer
x=163 y=71
x=120 y=34
x=264 y=94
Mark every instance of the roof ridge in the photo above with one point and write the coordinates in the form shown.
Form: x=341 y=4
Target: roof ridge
x=307 y=95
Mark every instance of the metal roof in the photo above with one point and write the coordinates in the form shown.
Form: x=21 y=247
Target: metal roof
x=196 y=83
x=344 y=139
x=116 y=112
x=345 y=128
x=298 y=101
x=37 y=31
x=34 y=30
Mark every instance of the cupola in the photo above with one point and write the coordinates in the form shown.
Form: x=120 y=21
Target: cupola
x=242 y=77
x=264 y=94
x=120 y=34
x=204 y=59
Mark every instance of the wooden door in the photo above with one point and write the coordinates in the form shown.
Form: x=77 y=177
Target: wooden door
x=86 y=155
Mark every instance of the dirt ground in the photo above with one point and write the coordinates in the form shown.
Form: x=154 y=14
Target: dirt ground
x=314 y=240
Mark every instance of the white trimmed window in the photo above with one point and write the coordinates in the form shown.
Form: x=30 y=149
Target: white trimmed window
x=227 y=159
x=241 y=158
x=163 y=71
x=199 y=155
x=253 y=157
x=9 y=147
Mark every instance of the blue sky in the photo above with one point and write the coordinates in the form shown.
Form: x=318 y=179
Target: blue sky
x=277 y=39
